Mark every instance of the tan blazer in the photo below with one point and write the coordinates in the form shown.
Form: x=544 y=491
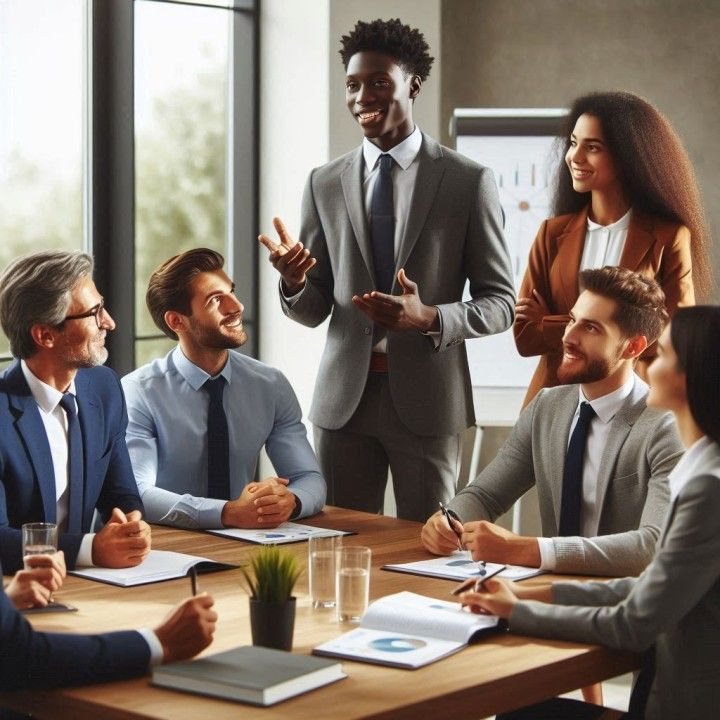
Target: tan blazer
x=655 y=247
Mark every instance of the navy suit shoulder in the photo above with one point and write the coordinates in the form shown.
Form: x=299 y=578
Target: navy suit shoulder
x=27 y=479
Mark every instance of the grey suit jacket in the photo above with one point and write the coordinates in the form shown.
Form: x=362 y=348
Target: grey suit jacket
x=454 y=233
x=675 y=604
x=632 y=492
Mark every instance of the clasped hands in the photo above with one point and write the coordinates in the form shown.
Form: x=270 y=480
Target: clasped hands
x=392 y=312
x=263 y=504
x=123 y=542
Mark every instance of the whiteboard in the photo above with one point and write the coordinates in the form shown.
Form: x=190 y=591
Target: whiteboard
x=519 y=146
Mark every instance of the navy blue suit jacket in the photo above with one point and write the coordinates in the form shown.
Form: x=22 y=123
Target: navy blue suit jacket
x=27 y=479
x=31 y=660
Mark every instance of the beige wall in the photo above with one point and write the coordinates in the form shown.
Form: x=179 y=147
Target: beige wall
x=543 y=53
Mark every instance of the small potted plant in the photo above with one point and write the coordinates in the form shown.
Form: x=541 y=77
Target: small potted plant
x=271 y=577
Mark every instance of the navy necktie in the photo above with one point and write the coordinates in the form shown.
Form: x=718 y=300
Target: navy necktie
x=573 y=472
x=382 y=226
x=75 y=465
x=218 y=461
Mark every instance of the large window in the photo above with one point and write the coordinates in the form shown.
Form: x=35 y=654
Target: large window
x=181 y=148
x=41 y=128
x=129 y=128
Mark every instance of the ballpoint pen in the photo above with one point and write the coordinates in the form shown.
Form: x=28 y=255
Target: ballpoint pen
x=477 y=583
x=450 y=516
x=193 y=580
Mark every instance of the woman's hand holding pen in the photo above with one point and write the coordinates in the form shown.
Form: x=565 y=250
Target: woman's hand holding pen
x=493 y=597
x=498 y=597
x=439 y=537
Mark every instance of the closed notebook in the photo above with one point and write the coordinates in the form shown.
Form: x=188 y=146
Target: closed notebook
x=251 y=674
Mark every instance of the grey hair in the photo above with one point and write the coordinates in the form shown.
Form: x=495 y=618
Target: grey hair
x=35 y=289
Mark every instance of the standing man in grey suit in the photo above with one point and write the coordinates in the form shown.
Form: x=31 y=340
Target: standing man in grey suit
x=603 y=502
x=391 y=232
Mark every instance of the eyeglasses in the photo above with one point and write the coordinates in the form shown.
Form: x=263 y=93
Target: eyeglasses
x=95 y=312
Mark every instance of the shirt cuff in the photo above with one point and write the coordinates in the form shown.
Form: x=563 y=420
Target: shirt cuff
x=290 y=299
x=435 y=335
x=193 y=513
x=157 y=654
x=84 y=556
x=548 y=560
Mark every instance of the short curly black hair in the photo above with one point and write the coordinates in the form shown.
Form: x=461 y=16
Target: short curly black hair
x=407 y=45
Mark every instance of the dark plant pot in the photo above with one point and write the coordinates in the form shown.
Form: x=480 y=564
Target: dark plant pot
x=272 y=623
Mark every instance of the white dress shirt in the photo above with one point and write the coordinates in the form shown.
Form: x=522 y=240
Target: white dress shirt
x=54 y=419
x=605 y=407
x=604 y=243
x=686 y=469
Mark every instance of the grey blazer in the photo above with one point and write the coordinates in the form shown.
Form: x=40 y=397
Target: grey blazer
x=632 y=492
x=675 y=604
x=454 y=233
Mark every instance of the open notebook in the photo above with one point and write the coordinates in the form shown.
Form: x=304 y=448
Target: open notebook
x=460 y=566
x=287 y=532
x=407 y=630
x=159 y=565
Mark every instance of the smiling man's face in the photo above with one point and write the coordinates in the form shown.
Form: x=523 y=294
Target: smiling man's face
x=380 y=97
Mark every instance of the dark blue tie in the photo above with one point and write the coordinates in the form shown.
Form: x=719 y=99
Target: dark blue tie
x=382 y=226
x=218 y=462
x=75 y=465
x=573 y=472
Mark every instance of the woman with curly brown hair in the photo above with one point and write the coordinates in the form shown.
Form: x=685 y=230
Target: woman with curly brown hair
x=625 y=194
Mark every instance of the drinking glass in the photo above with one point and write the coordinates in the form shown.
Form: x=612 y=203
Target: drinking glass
x=321 y=569
x=38 y=539
x=352 y=582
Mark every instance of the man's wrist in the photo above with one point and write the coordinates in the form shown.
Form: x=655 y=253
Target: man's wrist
x=432 y=318
x=525 y=551
x=290 y=290
x=225 y=514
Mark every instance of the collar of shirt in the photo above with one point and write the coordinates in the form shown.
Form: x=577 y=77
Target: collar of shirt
x=193 y=375
x=403 y=153
x=622 y=224
x=46 y=396
x=607 y=406
x=687 y=466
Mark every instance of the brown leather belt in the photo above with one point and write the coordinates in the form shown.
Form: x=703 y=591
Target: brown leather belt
x=378 y=362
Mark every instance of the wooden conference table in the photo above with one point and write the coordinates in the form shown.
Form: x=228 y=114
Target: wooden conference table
x=500 y=673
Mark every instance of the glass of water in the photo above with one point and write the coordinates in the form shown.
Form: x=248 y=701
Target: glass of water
x=352 y=582
x=38 y=539
x=321 y=570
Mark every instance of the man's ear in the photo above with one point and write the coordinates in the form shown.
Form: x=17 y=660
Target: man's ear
x=415 y=85
x=635 y=347
x=43 y=335
x=175 y=320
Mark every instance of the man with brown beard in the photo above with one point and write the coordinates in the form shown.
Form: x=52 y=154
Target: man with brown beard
x=598 y=455
x=199 y=417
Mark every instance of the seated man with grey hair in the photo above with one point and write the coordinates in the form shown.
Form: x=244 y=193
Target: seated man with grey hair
x=63 y=418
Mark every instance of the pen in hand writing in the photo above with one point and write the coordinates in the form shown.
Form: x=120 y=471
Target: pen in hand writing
x=449 y=517
x=193 y=580
x=477 y=583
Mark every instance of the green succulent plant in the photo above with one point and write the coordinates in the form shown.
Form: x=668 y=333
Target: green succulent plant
x=272 y=574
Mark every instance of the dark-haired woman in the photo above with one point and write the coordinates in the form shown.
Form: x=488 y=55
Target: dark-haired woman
x=671 y=612
x=625 y=194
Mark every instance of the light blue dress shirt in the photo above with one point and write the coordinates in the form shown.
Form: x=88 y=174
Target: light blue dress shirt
x=166 y=437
